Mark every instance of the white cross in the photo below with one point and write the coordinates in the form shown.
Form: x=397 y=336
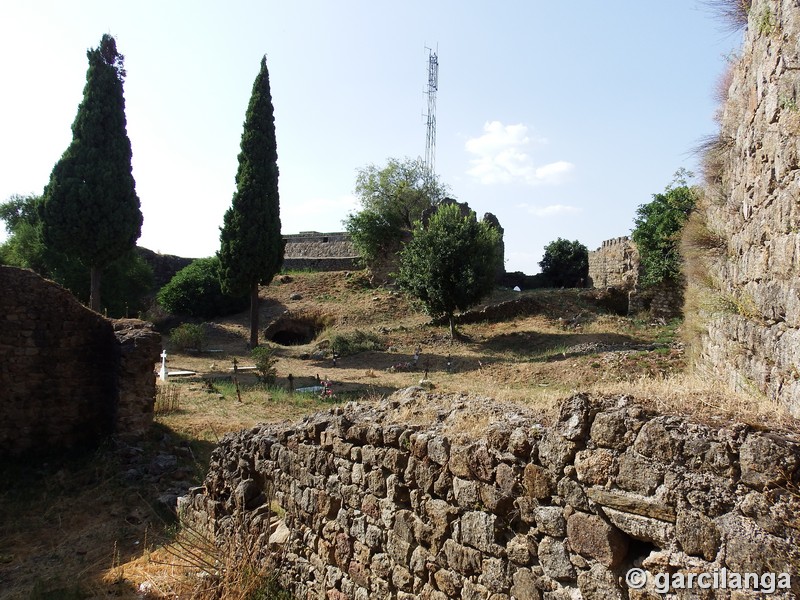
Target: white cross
x=163 y=374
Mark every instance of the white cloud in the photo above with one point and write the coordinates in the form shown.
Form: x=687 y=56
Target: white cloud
x=500 y=157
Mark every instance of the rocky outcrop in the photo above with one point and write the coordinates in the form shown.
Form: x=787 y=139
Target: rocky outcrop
x=438 y=508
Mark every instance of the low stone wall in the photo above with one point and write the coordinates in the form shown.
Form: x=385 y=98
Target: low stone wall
x=320 y=251
x=68 y=376
x=509 y=509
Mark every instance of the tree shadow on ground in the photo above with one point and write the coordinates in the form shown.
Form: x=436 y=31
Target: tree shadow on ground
x=532 y=345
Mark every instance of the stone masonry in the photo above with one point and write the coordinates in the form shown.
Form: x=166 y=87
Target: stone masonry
x=68 y=376
x=320 y=251
x=374 y=508
x=751 y=334
x=614 y=264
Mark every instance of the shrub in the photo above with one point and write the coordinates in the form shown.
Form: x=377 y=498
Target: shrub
x=565 y=263
x=345 y=344
x=658 y=230
x=186 y=336
x=195 y=291
x=264 y=359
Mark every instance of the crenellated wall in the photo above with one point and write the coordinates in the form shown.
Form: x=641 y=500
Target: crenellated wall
x=68 y=376
x=614 y=264
x=431 y=496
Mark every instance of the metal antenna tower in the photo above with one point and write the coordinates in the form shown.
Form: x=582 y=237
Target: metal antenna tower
x=433 y=86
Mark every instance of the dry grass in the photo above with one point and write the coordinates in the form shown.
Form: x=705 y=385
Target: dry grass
x=732 y=14
x=701 y=396
x=193 y=564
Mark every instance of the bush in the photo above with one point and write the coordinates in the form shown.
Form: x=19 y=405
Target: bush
x=565 y=263
x=658 y=230
x=195 y=291
x=345 y=344
x=188 y=336
x=264 y=359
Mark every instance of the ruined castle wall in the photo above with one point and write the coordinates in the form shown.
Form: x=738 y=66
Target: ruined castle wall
x=751 y=333
x=67 y=377
x=376 y=509
x=614 y=264
x=320 y=252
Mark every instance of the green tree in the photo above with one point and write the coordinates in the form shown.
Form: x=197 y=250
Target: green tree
x=90 y=210
x=126 y=280
x=195 y=291
x=450 y=264
x=565 y=263
x=251 y=247
x=657 y=230
x=392 y=198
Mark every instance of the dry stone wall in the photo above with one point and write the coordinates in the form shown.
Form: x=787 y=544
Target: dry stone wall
x=749 y=285
x=320 y=251
x=68 y=376
x=374 y=508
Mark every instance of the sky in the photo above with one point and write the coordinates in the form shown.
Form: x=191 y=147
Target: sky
x=561 y=118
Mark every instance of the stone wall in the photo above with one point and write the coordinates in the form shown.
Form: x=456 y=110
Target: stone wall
x=748 y=286
x=614 y=264
x=399 y=500
x=320 y=251
x=68 y=376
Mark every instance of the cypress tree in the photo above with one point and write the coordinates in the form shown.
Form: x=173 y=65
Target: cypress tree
x=90 y=209
x=251 y=247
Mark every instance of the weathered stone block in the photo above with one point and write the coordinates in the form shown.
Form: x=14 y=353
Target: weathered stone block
x=697 y=534
x=538 y=482
x=655 y=441
x=598 y=583
x=591 y=536
x=554 y=559
x=524 y=587
x=638 y=505
x=464 y=560
x=609 y=429
x=593 y=467
x=638 y=474
x=765 y=461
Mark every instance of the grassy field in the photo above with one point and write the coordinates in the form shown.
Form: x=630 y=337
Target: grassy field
x=99 y=525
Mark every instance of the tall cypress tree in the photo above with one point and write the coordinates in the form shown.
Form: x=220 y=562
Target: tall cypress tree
x=251 y=247
x=90 y=209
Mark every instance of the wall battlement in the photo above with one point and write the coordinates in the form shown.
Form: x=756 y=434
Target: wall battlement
x=614 y=264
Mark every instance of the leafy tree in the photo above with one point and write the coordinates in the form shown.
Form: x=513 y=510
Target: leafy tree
x=90 y=210
x=126 y=282
x=392 y=199
x=565 y=263
x=195 y=291
x=251 y=247
x=450 y=264
x=657 y=230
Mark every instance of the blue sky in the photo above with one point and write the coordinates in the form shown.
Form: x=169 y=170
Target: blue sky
x=560 y=118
